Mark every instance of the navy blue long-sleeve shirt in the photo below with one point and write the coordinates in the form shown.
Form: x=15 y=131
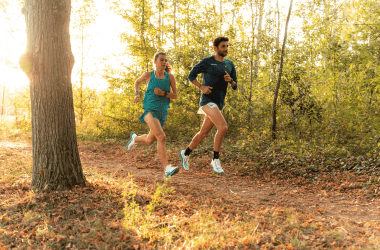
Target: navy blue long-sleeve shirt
x=213 y=76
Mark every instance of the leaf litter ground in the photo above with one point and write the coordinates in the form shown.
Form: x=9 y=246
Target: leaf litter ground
x=266 y=201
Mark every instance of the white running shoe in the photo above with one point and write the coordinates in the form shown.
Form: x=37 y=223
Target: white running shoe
x=169 y=170
x=131 y=143
x=184 y=160
x=216 y=166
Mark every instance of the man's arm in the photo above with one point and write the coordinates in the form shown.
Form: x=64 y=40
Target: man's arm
x=205 y=89
x=197 y=69
x=201 y=67
x=233 y=84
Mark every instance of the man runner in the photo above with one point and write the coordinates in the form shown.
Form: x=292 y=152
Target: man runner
x=218 y=72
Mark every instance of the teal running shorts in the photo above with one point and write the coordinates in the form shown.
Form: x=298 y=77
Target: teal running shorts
x=160 y=115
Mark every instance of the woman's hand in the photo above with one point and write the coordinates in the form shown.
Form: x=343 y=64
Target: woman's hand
x=158 y=91
x=137 y=98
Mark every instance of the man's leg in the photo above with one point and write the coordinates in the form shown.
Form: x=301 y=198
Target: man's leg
x=217 y=119
x=156 y=133
x=184 y=154
x=206 y=128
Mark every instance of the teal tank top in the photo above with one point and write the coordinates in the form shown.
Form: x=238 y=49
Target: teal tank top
x=153 y=101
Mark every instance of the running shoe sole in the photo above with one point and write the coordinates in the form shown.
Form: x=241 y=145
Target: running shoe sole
x=173 y=172
x=217 y=172
x=180 y=155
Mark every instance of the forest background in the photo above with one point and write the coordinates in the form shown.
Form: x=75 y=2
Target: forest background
x=328 y=100
x=316 y=186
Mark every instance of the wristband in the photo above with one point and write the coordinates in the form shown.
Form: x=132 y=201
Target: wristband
x=137 y=93
x=165 y=93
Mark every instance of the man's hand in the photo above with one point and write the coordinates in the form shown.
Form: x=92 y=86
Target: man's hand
x=227 y=77
x=158 y=91
x=137 y=98
x=205 y=89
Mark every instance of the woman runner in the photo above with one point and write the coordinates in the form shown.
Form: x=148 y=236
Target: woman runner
x=156 y=104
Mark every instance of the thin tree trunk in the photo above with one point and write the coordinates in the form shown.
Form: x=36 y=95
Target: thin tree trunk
x=15 y=108
x=81 y=82
x=258 y=40
x=251 y=69
x=142 y=36
x=174 y=28
x=159 y=24
x=221 y=14
x=278 y=28
x=274 y=108
x=233 y=16
x=163 y=22
x=344 y=20
x=252 y=50
x=277 y=38
x=48 y=63
x=3 y=103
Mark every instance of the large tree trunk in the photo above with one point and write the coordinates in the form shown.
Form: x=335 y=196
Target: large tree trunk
x=274 y=104
x=48 y=62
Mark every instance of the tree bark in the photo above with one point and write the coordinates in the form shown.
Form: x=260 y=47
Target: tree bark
x=274 y=109
x=48 y=63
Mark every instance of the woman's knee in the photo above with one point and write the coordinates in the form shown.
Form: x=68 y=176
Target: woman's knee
x=161 y=137
x=150 y=141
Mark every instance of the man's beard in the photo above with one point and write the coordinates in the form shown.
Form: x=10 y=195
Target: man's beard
x=220 y=53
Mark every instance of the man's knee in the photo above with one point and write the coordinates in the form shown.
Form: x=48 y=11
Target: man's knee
x=161 y=137
x=203 y=134
x=223 y=129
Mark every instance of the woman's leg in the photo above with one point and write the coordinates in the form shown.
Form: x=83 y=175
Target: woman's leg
x=147 y=139
x=156 y=133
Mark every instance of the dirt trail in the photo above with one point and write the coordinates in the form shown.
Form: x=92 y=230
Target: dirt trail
x=251 y=192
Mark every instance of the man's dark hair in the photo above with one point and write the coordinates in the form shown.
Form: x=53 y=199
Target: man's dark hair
x=219 y=40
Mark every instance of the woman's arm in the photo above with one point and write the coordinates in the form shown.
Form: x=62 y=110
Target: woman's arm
x=173 y=94
x=144 y=77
